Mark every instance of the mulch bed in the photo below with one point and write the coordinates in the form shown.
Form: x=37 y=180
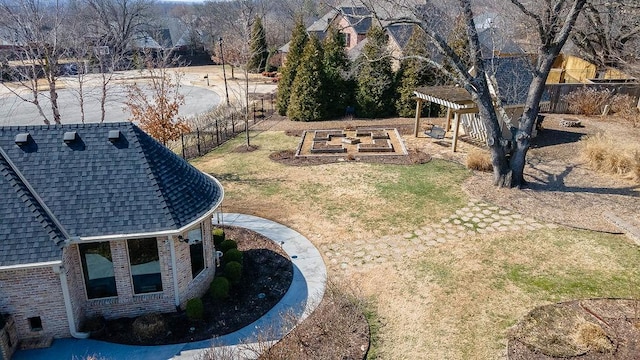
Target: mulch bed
x=267 y=270
x=581 y=329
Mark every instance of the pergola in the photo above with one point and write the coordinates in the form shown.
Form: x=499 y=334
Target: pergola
x=457 y=100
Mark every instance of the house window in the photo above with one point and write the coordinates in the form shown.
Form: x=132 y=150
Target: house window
x=97 y=267
x=35 y=323
x=196 y=250
x=145 y=265
x=347 y=39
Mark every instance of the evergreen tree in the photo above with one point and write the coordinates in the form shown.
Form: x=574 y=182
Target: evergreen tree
x=297 y=44
x=336 y=65
x=308 y=101
x=413 y=73
x=258 y=47
x=375 y=80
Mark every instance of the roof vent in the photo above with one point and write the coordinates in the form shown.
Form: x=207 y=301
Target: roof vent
x=114 y=135
x=22 y=139
x=70 y=136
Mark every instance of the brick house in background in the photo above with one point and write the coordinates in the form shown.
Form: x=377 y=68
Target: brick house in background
x=354 y=22
x=98 y=219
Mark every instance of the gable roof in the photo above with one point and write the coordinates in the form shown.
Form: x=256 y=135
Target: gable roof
x=93 y=188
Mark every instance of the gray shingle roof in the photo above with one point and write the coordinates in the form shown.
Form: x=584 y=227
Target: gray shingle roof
x=94 y=187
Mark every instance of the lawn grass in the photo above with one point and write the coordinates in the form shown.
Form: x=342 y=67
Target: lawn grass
x=452 y=301
x=462 y=297
x=381 y=199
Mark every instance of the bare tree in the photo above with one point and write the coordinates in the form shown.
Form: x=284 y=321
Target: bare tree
x=551 y=20
x=608 y=33
x=38 y=31
x=116 y=23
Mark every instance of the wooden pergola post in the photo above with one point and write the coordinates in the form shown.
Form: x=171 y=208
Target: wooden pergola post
x=456 y=127
x=448 y=126
x=418 y=112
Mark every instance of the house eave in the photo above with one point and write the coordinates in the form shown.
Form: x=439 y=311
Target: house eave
x=172 y=232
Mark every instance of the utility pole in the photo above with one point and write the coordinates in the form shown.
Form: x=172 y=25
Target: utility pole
x=224 y=72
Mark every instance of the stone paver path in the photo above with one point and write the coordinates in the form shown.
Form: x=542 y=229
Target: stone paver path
x=476 y=218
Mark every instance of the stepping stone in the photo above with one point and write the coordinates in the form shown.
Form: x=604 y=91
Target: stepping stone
x=457 y=221
x=465 y=218
x=504 y=212
x=482 y=225
x=530 y=228
x=481 y=231
x=520 y=222
x=441 y=231
x=486 y=212
x=444 y=221
x=471 y=233
x=418 y=232
x=469 y=225
x=432 y=243
x=344 y=266
x=496 y=216
x=408 y=235
x=441 y=240
x=552 y=226
x=515 y=227
x=481 y=215
x=461 y=228
x=494 y=208
x=516 y=216
x=452 y=231
x=475 y=220
x=503 y=228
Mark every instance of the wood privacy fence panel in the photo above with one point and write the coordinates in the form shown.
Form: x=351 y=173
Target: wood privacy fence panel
x=557 y=92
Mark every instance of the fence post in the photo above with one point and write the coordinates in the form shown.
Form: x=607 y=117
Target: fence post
x=183 y=154
x=233 y=125
x=198 y=139
x=217 y=133
x=254 y=112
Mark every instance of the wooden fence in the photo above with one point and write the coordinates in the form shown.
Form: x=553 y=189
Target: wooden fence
x=557 y=93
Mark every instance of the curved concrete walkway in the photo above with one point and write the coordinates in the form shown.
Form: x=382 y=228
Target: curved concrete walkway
x=304 y=295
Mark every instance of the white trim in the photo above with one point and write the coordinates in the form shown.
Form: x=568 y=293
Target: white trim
x=31 y=265
x=179 y=231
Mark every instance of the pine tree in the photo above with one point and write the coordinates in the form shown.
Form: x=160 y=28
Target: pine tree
x=258 y=47
x=336 y=66
x=308 y=101
x=413 y=73
x=375 y=95
x=298 y=41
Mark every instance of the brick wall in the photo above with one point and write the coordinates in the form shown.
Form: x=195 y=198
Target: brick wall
x=189 y=287
x=27 y=293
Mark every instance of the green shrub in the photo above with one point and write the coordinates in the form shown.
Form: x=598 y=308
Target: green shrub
x=195 y=309
x=233 y=255
x=218 y=236
x=228 y=245
x=233 y=271
x=219 y=288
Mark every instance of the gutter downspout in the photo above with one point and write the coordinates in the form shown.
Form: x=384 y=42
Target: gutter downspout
x=67 y=304
x=174 y=271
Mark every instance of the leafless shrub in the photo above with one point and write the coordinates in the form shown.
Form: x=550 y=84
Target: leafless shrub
x=624 y=106
x=587 y=101
x=479 y=160
x=149 y=326
x=605 y=154
x=337 y=329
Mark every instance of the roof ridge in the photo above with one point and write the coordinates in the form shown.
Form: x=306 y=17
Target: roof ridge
x=25 y=191
x=137 y=132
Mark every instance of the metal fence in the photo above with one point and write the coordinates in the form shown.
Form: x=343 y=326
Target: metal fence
x=219 y=126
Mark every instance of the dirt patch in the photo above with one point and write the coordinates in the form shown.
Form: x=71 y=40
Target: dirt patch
x=267 y=275
x=561 y=188
x=584 y=329
x=288 y=157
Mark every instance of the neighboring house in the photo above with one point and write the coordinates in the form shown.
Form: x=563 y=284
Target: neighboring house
x=354 y=22
x=99 y=219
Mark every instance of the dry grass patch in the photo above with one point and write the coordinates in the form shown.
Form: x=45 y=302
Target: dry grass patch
x=479 y=160
x=609 y=155
x=458 y=300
